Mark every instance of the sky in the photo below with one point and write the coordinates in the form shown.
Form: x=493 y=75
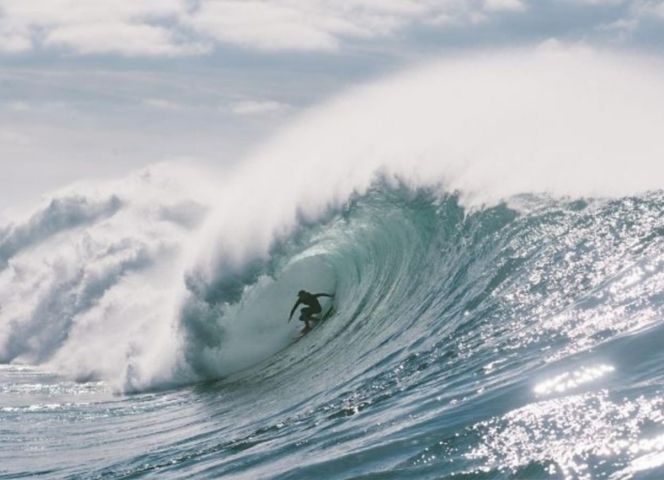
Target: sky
x=93 y=89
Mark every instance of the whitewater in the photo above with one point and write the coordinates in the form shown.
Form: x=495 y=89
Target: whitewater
x=492 y=227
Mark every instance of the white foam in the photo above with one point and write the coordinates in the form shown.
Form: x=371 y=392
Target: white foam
x=93 y=280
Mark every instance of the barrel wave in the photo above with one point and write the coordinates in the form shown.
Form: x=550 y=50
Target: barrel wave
x=488 y=322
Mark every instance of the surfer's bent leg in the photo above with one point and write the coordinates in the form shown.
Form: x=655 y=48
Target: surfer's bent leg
x=306 y=313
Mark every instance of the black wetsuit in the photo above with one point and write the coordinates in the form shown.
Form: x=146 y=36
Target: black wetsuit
x=312 y=305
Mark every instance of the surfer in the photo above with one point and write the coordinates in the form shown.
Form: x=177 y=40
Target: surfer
x=312 y=306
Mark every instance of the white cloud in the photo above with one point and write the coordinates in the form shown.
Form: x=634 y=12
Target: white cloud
x=13 y=39
x=175 y=27
x=117 y=37
x=61 y=12
x=599 y=2
x=504 y=5
x=623 y=28
x=190 y=27
x=305 y=25
x=13 y=43
x=656 y=9
x=123 y=26
x=262 y=25
x=257 y=107
x=162 y=104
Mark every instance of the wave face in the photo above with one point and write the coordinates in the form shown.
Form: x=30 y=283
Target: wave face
x=482 y=328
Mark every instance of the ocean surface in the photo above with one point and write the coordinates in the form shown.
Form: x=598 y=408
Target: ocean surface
x=482 y=329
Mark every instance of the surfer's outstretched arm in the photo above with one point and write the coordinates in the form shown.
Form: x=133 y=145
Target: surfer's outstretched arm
x=293 y=310
x=323 y=295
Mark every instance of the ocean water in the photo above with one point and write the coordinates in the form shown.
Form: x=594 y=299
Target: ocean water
x=498 y=307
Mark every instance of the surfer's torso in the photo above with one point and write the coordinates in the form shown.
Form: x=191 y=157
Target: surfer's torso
x=310 y=300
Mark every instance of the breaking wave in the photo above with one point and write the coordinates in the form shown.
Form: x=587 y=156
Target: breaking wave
x=491 y=228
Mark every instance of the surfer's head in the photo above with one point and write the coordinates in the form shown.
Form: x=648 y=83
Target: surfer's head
x=301 y=293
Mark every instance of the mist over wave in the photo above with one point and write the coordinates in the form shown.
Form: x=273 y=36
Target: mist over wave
x=177 y=275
